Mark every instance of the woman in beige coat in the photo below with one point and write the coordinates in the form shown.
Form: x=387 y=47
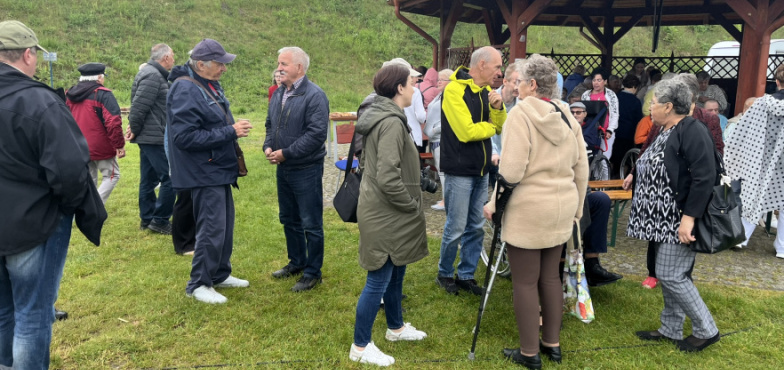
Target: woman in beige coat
x=543 y=151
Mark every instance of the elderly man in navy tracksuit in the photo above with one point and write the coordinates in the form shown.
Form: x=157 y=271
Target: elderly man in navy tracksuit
x=201 y=140
x=297 y=122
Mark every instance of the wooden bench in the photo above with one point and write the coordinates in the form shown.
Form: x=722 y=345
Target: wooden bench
x=619 y=198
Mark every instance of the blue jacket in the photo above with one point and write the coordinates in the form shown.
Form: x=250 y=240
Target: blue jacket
x=299 y=128
x=201 y=138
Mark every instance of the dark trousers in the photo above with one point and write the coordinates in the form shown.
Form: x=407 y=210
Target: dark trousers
x=492 y=171
x=154 y=169
x=213 y=208
x=183 y=223
x=620 y=147
x=301 y=204
x=595 y=235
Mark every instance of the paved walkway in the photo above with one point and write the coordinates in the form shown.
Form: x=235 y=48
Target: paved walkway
x=755 y=266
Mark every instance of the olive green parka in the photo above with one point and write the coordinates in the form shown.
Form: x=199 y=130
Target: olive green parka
x=390 y=216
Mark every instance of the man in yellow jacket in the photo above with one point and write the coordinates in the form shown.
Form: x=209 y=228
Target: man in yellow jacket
x=471 y=113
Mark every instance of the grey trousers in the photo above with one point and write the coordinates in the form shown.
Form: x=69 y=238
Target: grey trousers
x=681 y=297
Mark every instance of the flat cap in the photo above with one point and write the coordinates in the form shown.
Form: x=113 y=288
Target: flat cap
x=14 y=35
x=92 y=69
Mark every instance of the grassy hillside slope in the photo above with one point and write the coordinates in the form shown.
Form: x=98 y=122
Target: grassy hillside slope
x=346 y=39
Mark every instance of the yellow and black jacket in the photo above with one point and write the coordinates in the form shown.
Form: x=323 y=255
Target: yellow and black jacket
x=467 y=124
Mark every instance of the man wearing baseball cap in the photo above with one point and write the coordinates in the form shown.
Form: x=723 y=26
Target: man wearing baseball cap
x=45 y=182
x=202 y=158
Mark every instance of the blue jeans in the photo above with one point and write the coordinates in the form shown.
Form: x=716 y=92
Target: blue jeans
x=464 y=199
x=29 y=282
x=154 y=169
x=300 y=199
x=386 y=282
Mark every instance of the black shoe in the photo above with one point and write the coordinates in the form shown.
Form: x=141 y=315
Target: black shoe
x=286 y=271
x=553 y=353
x=164 y=228
x=305 y=283
x=530 y=362
x=448 y=284
x=694 y=344
x=653 y=335
x=470 y=285
x=598 y=276
x=60 y=315
x=144 y=225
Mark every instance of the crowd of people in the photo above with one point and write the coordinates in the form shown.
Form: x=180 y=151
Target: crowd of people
x=532 y=131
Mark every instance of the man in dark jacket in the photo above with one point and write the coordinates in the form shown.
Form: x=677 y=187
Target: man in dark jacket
x=44 y=182
x=471 y=113
x=297 y=123
x=201 y=136
x=147 y=122
x=96 y=111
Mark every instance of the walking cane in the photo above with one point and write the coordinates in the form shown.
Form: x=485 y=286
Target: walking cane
x=504 y=191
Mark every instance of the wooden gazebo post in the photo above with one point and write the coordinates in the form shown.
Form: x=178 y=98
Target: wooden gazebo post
x=518 y=19
x=761 y=18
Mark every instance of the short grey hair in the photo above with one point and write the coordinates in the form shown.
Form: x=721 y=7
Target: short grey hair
x=676 y=92
x=299 y=56
x=544 y=71
x=512 y=68
x=485 y=54
x=13 y=55
x=159 y=51
x=90 y=78
x=690 y=80
x=192 y=63
x=445 y=73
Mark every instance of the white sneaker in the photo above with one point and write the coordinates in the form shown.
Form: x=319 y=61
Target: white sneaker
x=371 y=355
x=438 y=206
x=232 y=282
x=780 y=255
x=207 y=295
x=409 y=333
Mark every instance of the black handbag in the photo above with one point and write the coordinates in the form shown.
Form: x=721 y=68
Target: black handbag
x=347 y=197
x=720 y=226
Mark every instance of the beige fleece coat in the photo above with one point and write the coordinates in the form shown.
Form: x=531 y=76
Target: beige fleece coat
x=549 y=161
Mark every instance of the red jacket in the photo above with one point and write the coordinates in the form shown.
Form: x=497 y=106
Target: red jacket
x=98 y=115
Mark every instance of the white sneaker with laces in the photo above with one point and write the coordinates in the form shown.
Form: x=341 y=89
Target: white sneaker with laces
x=371 y=355
x=780 y=255
x=232 y=282
x=207 y=295
x=409 y=333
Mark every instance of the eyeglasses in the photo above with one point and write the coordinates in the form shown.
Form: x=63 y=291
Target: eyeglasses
x=578 y=112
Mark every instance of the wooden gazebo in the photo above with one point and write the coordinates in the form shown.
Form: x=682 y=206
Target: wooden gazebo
x=606 y=21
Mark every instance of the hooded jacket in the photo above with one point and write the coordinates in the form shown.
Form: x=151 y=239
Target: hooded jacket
x=300 y=128
x=429 y=87
x=98 y=115
x=467 y=124
x=201 y=138
x=548 y=159
x=43 y=166
x=147 y=118
x=389 y=214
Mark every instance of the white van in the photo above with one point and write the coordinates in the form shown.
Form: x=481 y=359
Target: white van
x=728 y=67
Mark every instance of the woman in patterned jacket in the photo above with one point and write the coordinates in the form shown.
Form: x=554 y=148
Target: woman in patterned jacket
x=674 y=179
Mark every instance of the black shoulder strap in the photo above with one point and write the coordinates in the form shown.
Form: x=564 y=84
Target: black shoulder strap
x=562 y=114
x=350 y=157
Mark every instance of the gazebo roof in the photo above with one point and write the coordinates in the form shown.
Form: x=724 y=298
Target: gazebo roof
x=571 y=13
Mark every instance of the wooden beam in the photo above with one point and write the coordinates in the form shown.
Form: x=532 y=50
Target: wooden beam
x=728 y=26
x=629 y=12
x=505 y=11
x=776 y=11
x=745 y=11
x=493 y=27
x=448 y=24
x=591 y=40
x=531 y=12
x=626 y=27
x=594 y=30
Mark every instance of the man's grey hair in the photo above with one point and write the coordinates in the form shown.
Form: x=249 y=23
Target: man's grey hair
x=445 y=73
x=90 y=78
x=512 y=68
x=13 y=55
x=690 y=80
x=544 y=71
x=676 y=92
x=485 y=54
x=298 y=55
x=159 y=51
x=194 y=66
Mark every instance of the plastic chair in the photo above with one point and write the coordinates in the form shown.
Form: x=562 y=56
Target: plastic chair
x=345 y=134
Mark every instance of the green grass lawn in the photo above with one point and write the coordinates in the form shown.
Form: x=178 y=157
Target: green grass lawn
x=127 y=305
